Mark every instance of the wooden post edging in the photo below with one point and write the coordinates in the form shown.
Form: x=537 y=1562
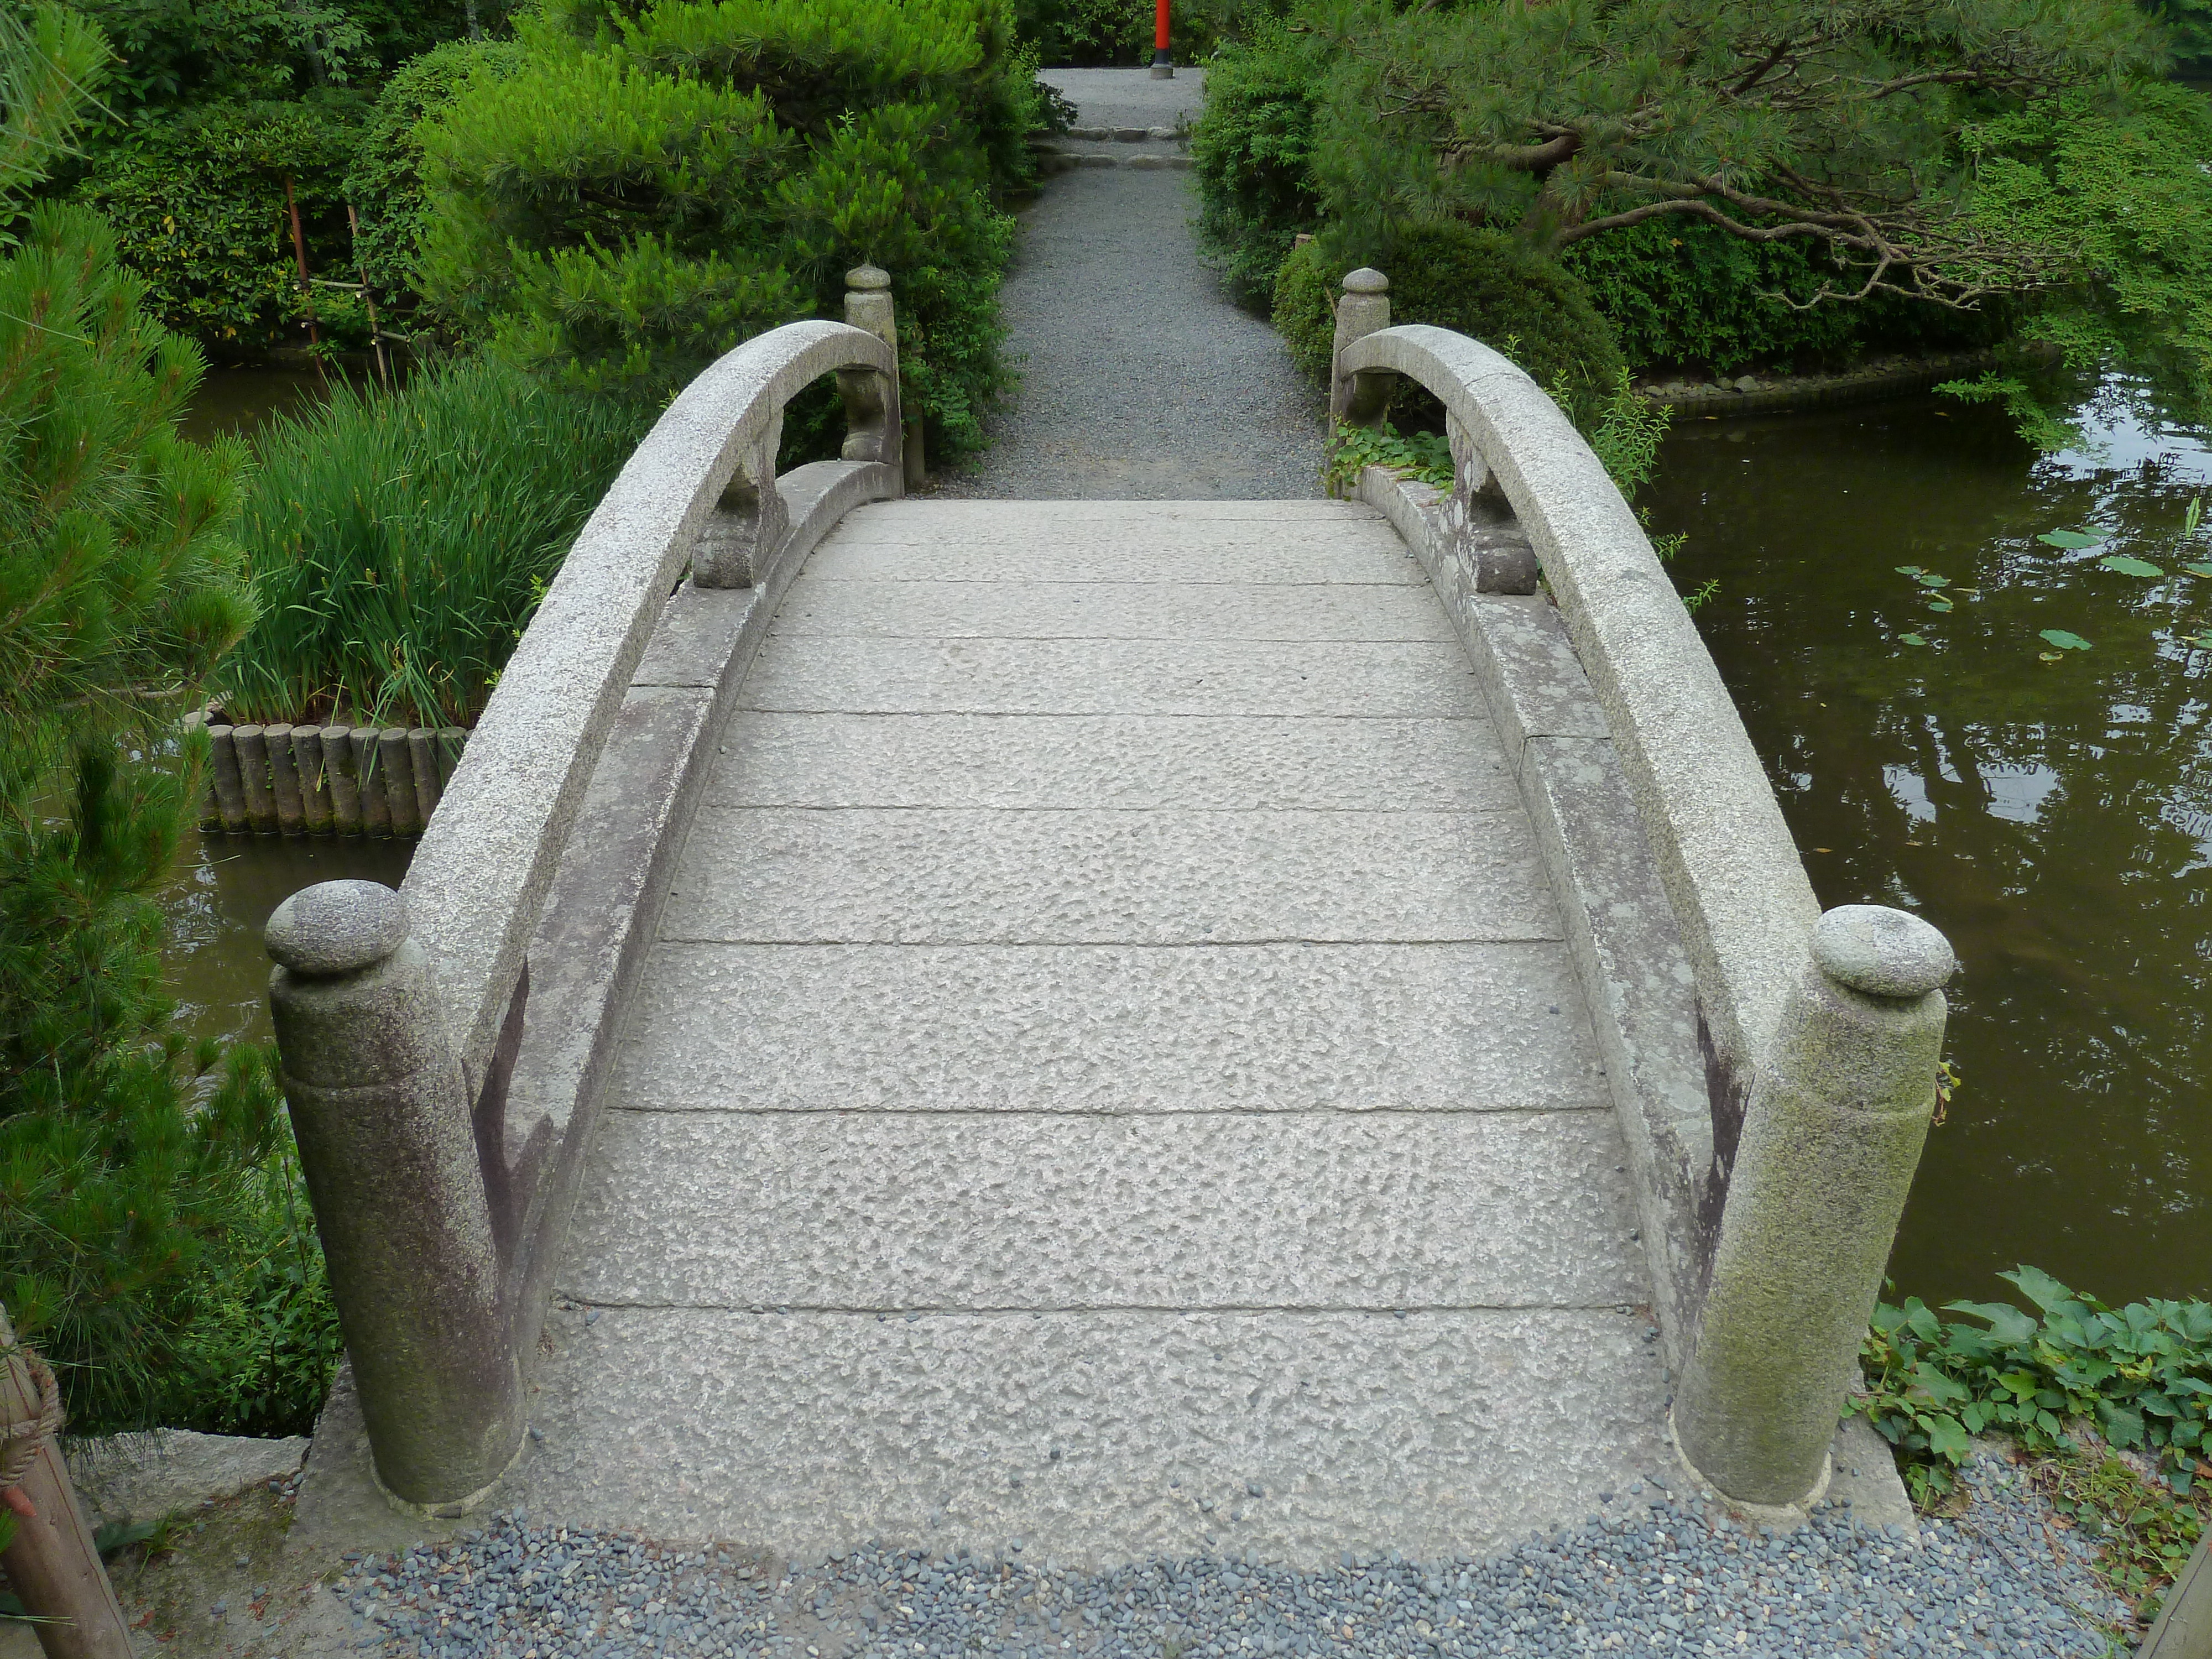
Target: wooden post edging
x=2184 y=1630
x=326 y=780
x=52 y=1561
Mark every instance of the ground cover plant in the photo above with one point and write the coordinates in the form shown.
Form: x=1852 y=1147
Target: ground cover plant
x=398 y=545
x=2076 y=1384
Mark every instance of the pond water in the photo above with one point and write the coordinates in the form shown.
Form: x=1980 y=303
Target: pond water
x=2049 y=808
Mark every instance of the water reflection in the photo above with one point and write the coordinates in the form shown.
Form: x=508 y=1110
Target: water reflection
x=218 y=900
x=2049 y=808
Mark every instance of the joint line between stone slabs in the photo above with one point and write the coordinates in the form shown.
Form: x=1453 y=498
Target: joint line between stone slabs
x=1117 y=638
x=1482 y=812
x=1482 y=720
x=966 y=943
x=1044 y=1114
x=1149 y=1310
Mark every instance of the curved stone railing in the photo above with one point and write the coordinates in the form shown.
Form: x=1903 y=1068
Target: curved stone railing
x=442 y=1092
x=1774 y=1070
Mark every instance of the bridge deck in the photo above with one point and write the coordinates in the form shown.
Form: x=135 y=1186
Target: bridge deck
x=1109 y=1076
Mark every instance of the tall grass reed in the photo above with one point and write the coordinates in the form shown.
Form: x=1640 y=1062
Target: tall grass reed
x=398 y=544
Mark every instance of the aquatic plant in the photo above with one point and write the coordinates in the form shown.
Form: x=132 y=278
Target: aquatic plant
x=397 y=545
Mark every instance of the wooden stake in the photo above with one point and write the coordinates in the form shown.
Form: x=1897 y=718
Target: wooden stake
x=375 y=330
x=306 y=290
x=52 y=1563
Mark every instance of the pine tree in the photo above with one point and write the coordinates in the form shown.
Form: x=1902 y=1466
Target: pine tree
x=119 y=587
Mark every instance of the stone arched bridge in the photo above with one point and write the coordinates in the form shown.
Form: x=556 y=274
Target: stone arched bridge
x=1103 y=1028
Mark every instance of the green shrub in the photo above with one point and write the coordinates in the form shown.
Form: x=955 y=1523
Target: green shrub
x=1692 y=295
x=198 y=203
x=385 y=183
x=263 y=1339
x=1486 y=283
x=1094 y=34
x=1252 y=150
x=644 y=192
x=397 y=545
x=2142 y=1375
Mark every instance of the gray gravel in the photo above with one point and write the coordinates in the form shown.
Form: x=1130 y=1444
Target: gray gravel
x=1141 y=380
x=1654 y=1575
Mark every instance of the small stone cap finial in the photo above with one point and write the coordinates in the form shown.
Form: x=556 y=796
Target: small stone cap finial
x=337 y=928
x=1366 y=280
x=869 y=279
x=1882 y=951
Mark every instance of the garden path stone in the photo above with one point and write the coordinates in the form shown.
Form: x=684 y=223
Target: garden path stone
x=1140 y=377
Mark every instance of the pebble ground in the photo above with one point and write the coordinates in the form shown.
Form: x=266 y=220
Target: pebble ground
x=1140 y=379
x=1660 y=1577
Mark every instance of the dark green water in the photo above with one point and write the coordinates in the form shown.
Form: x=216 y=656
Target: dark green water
x=2054 y=818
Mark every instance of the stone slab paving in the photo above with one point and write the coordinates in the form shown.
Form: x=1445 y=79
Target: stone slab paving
x=1140 y=377
x=1110 y=1077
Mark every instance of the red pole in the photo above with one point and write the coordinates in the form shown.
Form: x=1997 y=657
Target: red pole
x=1163 y=65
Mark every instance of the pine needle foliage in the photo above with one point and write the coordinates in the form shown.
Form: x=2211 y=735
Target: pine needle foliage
x=651 y=186
x=121 y=1160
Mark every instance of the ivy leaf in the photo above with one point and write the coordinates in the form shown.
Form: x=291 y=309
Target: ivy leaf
x=2127 y=567
x=2123 y=1426
x=2065 y=641
x=1947 y=1438
x=2007 y=1323
x=2070 y=539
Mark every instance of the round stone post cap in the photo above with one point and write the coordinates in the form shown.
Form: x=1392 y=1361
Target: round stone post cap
x=869 y=279
x=1882 y=951
x=1366 y=280
x=337 y=928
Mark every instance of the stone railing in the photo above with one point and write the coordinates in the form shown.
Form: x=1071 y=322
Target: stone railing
x=443 y=1046
x=1774 y=1070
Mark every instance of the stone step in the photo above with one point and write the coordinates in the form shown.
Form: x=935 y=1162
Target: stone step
x=1390 y=679
x=819 y=605
x=1095 y=1437
x=1120 y=760
x=891 y=1212
x=1113 y=1029
x=1009 y=549
x=926 y=877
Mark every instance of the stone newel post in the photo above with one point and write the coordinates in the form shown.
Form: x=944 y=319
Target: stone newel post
x=1360 y=399
x=1831 y=1139
x=868 y=306
x=383 y=1119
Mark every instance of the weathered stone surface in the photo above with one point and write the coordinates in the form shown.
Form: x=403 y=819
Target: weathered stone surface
x=809 y=1432
x=1089 y=1029
x=776 y=874
x=1732 y=872
x=1390 y=680
x=337 y=928
x=1534 y=686
x=143 y=1477
x=1132 y=762
x=820 y=605
x=1882 y=951
x=1226 y=551
x=894 y=1211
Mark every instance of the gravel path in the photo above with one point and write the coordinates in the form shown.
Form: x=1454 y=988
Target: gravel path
x=1140 y=379
x=1658 y=1576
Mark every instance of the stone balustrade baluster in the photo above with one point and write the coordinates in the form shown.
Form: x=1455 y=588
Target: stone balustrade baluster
x=388 y=1145
x=1831 y=1136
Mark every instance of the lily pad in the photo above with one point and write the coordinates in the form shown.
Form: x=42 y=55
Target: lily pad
x=1939 y=605
x=2127 y=567
x=1927 y=579
x=1911 y=639
x=2071 y=539
x=2198 y=569
x=1908 y=570
x=2052 y=656
x=2065 y=639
